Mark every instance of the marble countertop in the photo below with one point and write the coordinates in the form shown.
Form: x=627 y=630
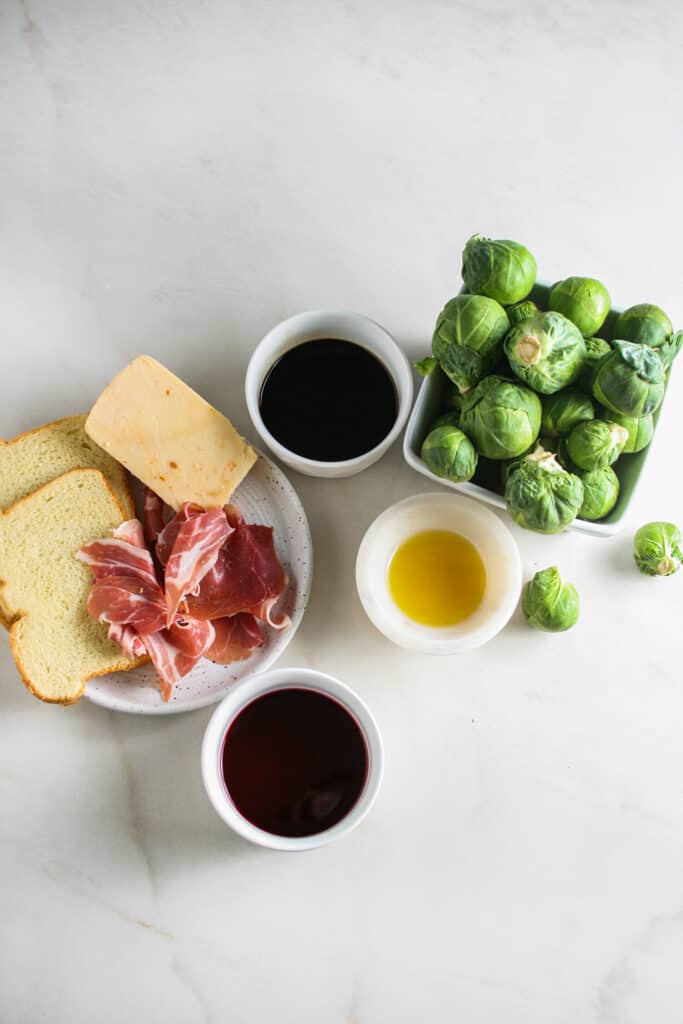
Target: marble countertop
x=177 y=176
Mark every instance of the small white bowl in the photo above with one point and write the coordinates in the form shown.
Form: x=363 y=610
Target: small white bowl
x=439 y=511
x=328 y=323
x=246 y=692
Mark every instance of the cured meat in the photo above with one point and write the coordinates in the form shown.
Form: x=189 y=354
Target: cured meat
x=128 y=601
x=131 y=531
x=153 y=516
x=168 y=659
x=192 y=636
x=247 y=576
x=115 y=556
x=235 y=638
x=198 y=540
x=128 y=640
x=168 y=534
x=221 y=579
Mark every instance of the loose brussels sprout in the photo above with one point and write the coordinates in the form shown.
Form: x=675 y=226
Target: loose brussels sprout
x=640 y=431
x=657 y=549
x=501 y=417
x=503 y=270
x=449 y=454
x=450 y=418
x=594 y=444
x=546 y=352
x=600 y=493
x=522 y=311
x=670 y=349
x=631 y=380
x=426 y=366
x=541 y=495
x=468 y=338
x=596 y=349
x=549 y=603
x=583 y=300
x=645 y=323
x=564 y=410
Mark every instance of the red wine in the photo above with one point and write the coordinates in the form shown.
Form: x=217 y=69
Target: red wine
x=329 y=400
x=294 y=762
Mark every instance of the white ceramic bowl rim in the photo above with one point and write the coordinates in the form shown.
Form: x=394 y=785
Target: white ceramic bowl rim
x=308 y=326
x=439 y=510
x=242 y=695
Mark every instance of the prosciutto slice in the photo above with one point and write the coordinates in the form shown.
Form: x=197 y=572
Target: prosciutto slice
x=153 y=516
x=128 y=640
x=128 y=601
x=198 y=537
x=192 y=636
x=168 y=659
x=235 y=638
x=120 y=555
x=132 y=532
x=247 y=576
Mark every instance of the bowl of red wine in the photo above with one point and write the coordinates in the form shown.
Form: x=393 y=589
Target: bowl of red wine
x=292 y=759
x=329 y=391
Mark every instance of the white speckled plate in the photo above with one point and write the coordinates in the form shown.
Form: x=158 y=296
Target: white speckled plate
x=265 y=496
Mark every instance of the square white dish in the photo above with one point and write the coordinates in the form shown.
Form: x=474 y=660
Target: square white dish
x=430 y=403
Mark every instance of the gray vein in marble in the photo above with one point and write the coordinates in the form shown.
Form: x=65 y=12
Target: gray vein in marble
x=622 y=979
x=187 y=981
x=37 y=46
x=66 y=876
x=352 y=1012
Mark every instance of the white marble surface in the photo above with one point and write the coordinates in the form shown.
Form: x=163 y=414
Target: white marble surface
x=175 y=178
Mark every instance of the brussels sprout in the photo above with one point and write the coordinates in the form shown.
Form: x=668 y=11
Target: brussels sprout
x=657 y=549
x=645 y=323
x=426 y=366
x=549 y=603
x=503 y=270
x=501 y=417
x=640 y=431
x=594 y=444
x=451 y=418
x=596 y=349
x=564 y=410
x=449 y=454
x=670 y=349
x=631 y=380
x=522 y=311
x=600 y=493
x=453 y=398
x=583 y=300
x=546 y=352
x=541 y=495
x=468 y=338
x=562 y=456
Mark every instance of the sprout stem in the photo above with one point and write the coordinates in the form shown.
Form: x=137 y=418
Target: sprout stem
x=666 y=566
x=528 y=350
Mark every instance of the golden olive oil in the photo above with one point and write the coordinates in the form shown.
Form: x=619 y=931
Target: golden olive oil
x=437 y=578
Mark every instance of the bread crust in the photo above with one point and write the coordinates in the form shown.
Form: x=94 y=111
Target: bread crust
x=16 y=617
x=6 y=618
x=57 y=423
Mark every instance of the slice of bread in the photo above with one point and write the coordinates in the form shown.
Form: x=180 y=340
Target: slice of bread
x=33 y=459
x=43 y=587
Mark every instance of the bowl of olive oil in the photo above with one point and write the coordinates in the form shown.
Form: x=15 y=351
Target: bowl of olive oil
x=438 y=573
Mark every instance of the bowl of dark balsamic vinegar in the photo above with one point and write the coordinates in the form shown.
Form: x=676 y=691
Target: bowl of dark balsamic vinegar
x=292 y=759
x=329 y=391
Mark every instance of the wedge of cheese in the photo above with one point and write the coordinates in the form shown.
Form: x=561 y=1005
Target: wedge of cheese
x=169 y=437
